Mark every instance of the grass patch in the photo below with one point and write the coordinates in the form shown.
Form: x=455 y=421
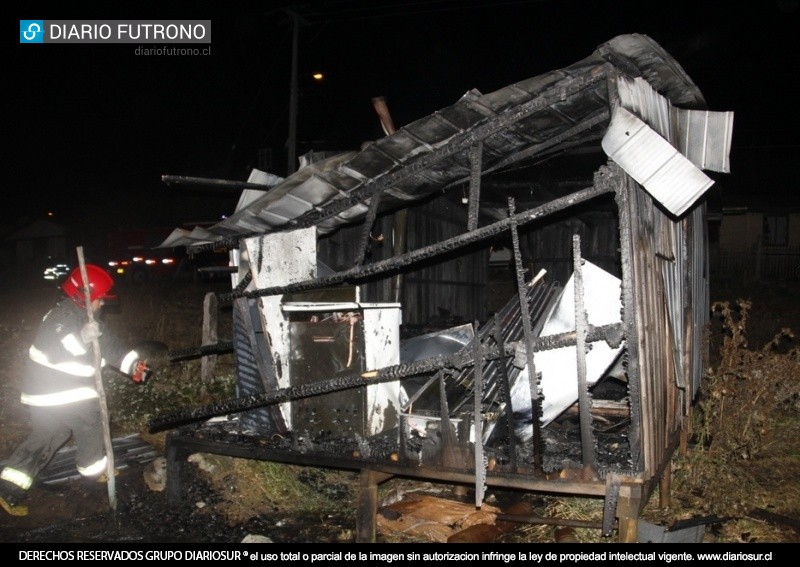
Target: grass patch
x=249 y=488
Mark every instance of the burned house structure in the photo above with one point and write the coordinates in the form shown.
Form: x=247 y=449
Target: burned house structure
x=366 y=335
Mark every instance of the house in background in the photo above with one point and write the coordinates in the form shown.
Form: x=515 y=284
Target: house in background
x=756 y=241
x=754 y=230
x=30 y=247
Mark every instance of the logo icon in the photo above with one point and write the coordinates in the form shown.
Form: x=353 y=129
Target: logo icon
x=31 y=31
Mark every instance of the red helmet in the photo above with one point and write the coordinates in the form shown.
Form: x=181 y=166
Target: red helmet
x=100 y=283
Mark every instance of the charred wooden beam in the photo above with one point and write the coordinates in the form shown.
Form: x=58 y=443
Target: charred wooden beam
x=559 y=141
x=218 y=269
x=460 y=359
x=550 y=521
x=363 y=272
x=367 y=228
x=219 y=183
x=205 y=350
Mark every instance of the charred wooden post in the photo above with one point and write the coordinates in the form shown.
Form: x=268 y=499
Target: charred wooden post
x=664 y=488
x=475 y=155
x=367 y=504
x=366 y=230
x=400 y=230
x=584 y=402
x=209 y=336
x=505 y=392
x=480 y=458
x=536 y=411
x=451 y=452
x=628 y=508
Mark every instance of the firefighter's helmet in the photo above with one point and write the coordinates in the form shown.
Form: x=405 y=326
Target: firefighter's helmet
x=100 y=284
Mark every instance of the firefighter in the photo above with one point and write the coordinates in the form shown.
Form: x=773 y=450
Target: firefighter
x=60 y=391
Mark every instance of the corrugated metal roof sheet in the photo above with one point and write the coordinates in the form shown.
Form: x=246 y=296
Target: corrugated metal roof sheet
x=520 y=121
x=658 y=166
x=703 y=136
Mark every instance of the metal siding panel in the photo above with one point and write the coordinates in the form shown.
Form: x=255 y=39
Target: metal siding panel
x=647 y=157
x=673 y=276
x=648 y=348
x=705 y=138
x=641 y=99
x=656 y=293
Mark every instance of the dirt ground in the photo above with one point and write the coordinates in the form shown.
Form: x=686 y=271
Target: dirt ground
x=79 y=512
x=74 y=511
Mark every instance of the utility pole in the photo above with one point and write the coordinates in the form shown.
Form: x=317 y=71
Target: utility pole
x=292 y=141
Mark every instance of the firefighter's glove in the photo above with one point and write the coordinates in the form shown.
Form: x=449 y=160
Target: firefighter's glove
x=90 y=332
x=141 y=372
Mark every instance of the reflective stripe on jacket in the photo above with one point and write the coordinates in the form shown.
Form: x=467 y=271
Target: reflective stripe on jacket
x=61 y=368
x=16 y=477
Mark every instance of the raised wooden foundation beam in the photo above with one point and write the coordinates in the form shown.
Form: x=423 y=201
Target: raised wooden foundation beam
x=367 y=506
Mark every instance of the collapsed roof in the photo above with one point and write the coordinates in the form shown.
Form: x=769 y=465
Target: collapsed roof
x=531 y=119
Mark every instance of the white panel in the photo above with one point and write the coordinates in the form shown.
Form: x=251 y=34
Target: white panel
x=278 y=259
x=647 y=157
x=559 y=367
x=281 y=258
x=381 y=349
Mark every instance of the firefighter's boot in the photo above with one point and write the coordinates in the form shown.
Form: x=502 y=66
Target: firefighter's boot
x=11 y=498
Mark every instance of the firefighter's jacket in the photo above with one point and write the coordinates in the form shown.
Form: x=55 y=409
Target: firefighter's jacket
x=60 y=368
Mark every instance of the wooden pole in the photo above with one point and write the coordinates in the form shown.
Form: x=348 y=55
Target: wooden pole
x=98 y=380
x=292 y=141
x=400 y=216
x=210 y=326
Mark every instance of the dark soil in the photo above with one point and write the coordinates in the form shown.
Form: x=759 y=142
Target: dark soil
x=75 y=511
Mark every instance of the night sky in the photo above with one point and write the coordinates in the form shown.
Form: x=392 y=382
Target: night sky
x=94 y=127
